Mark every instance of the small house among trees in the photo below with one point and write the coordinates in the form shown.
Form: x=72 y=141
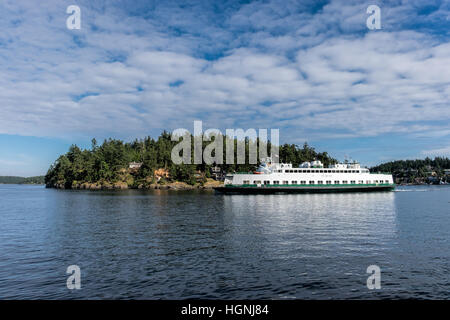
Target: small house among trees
x=217 y=173
x=135 y=165
x=161 y=173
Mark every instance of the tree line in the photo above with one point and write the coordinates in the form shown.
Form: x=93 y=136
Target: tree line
x=109 y=161
x=425 y=165
x=416 y=171
x=22 y=180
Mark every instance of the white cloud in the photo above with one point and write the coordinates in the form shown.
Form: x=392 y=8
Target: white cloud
x=322 y=74
x=438 y=152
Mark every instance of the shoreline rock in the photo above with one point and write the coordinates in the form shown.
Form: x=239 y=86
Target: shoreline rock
x=177 y=186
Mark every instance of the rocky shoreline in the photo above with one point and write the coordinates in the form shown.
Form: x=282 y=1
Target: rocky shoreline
x=209 y=185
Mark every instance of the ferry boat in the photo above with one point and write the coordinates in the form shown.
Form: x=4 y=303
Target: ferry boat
x=310 y=177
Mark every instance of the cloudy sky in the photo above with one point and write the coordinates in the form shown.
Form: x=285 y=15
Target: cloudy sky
x=310 y=68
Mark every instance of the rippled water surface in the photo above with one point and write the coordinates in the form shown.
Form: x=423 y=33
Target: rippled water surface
x=176 y=245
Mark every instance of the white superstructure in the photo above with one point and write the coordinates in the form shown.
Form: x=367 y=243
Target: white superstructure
x=308 y=174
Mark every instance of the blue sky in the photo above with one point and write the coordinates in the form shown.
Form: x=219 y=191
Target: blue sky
x=310 y=68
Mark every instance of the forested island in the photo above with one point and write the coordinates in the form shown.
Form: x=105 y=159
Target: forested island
x=426 y=171
x=22 y=180
x=146 y=163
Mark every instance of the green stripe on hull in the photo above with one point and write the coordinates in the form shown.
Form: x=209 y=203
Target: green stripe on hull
x=316 y=188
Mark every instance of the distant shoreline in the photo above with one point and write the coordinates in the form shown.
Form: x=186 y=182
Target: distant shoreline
x=22 y=180
x=21 y=184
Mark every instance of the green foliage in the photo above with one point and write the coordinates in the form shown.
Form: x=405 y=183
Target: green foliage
x=291 y=153
x=22 y=180
x=416 y=171
x=422 y=166
x=103 y=163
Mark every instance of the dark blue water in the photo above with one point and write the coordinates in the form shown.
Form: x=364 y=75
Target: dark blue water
x=176 y=245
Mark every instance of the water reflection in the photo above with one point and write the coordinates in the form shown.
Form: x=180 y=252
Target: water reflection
x=162 y=244
x=316 y=218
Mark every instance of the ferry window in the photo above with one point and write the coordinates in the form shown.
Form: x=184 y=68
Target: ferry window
x=311 y=182
x=367 y=181
x=387 y=181
x=345 y=171
x=333 y=171
x=285 y=182
x=319 y=182
x=344 y=182
x=321 y=171
x=276 y=182
x=352 y=181
x=266 y=182
x=302 y=182
x=257 y=182
x=294 y=182
x=246 y=181
x=341 y=171
x=361 y=181
x=376 y=181
x=336 y=182
x=308 y=171
x=357 y=171
x=328 y=182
